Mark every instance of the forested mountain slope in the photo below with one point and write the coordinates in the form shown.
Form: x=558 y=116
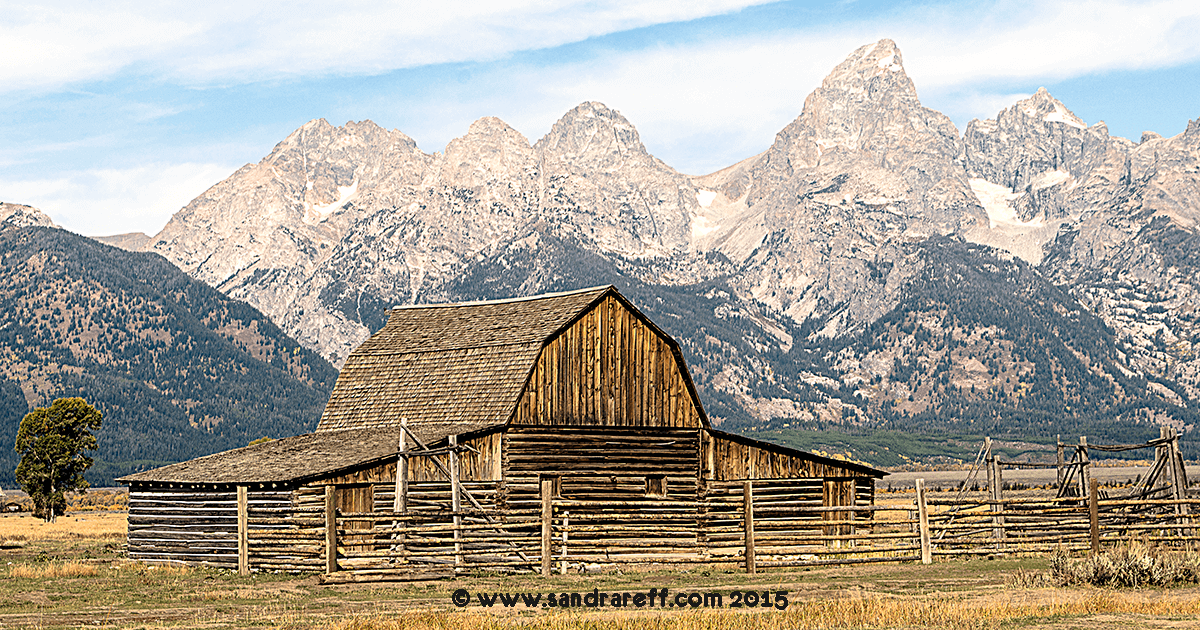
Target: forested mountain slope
x=178 y=369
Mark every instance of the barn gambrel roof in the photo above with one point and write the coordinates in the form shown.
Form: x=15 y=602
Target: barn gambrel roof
x=458 y=363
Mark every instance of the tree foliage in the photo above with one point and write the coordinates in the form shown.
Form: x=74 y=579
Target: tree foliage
x=51 y=441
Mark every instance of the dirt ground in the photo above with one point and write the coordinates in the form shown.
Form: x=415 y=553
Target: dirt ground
x=73 y=574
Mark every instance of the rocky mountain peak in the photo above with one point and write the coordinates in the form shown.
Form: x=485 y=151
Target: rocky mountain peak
x=18 y=215
x=1035 y=145
x=875 y=68
x=492 y=145
x=1045 y=107
x=864 y=117
x=592 y=132
x=866 y=109
x=490 y=149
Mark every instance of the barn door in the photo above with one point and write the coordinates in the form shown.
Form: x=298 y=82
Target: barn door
x=356 y=498
x=838 y=493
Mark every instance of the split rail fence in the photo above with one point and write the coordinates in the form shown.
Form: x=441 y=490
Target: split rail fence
x=736 y=522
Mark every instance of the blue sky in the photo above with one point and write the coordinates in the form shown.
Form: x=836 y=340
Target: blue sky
x=115 y=115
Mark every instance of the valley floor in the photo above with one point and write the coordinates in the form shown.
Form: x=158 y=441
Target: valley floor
x=72 y=574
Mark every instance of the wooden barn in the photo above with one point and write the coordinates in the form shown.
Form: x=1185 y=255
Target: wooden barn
x=494 y=412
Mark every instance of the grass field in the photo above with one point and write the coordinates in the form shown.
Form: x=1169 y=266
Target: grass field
x=72 y=574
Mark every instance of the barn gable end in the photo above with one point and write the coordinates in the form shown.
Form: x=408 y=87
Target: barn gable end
x=610 y=367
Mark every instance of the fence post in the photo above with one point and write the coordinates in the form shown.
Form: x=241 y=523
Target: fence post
x=1061 y=461
x=547 y=520
x=1085 y=474
x=1178 y=473
x=566 y=526
x=923 y=517
x=1094 y=513
x=456 y=501
x=243 y=522
x=331 y=529
x=748 y=522
x=996 y=491
x=1178 y=478
x=400 y=501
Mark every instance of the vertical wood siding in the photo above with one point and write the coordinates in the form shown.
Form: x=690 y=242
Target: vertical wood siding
x=610 y=369
x=731 y=460
x=482 y=466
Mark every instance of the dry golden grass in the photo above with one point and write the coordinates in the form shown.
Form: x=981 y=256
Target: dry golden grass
x=851 y=612
x=53 y=570
x=25 y=527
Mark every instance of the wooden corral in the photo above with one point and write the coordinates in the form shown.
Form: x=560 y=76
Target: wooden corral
x=578 y=393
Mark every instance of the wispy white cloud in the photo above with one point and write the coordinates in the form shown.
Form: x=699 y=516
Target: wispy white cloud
x=50 y=44
x=1049 y=40
x=113 y=201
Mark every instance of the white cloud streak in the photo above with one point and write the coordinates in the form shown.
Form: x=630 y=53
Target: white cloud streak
x=99 y=202
x=48 y=45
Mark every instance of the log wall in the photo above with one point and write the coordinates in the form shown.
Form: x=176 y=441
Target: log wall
x=609 y=368
x=193 y=525
x=609 y=476
x=599 y=463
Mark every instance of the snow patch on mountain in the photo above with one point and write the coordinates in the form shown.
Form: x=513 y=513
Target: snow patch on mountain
x=997 y=201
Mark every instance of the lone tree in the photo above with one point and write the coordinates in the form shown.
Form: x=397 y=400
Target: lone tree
x=51 y=441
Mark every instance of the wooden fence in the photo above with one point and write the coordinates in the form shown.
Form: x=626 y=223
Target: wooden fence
x=965 y=527
x=734 y=523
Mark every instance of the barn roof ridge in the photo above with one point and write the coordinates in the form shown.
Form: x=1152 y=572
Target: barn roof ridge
x=527 y=298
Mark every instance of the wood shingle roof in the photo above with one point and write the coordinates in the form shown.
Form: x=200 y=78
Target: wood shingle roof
x=296 y=459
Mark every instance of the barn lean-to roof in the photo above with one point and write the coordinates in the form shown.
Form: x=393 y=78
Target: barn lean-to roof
x=297 y=459
x=849 y=466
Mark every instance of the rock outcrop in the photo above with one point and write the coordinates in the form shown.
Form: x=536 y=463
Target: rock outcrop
x=17 y=215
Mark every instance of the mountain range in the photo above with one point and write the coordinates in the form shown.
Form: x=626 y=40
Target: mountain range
x=871 y=270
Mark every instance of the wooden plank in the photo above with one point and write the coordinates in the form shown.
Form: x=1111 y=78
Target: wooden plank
x=243 y=532
x=456 y=501
x=1094 y=513
x=748 y=523
x=547 y=492
x=331 y=565
x=923 y=517
x=401 y=499
x=1084 y=472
